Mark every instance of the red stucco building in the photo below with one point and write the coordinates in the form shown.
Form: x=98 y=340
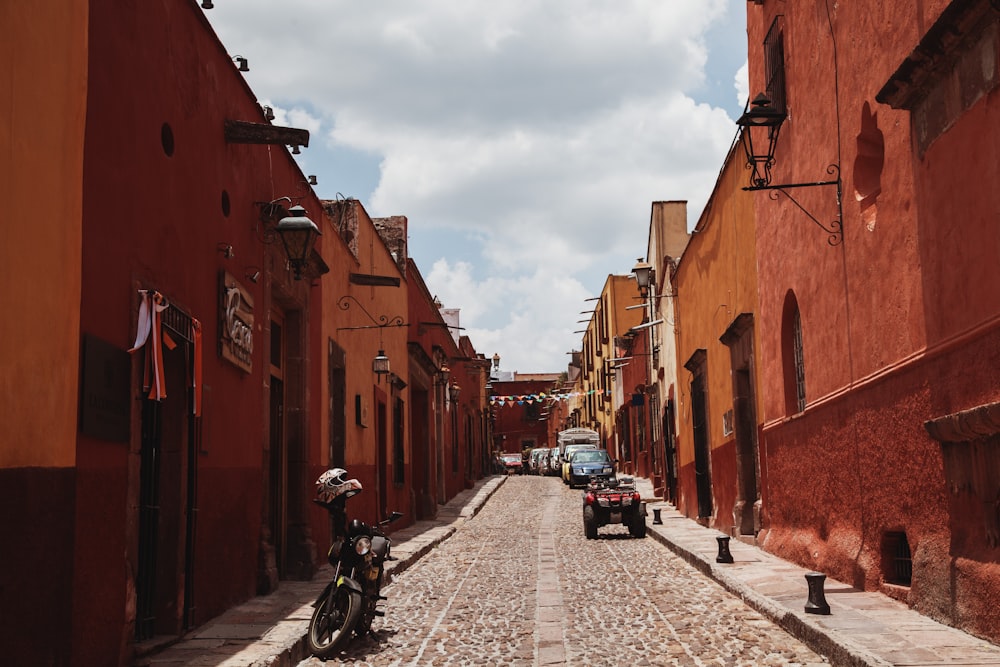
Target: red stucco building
x=183 y=381
x=519 y=405
x=879 y=339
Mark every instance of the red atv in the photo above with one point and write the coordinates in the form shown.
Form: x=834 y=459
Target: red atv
x=613 y=500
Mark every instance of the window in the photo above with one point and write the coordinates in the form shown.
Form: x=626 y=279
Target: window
x=897 y=563
x=793 y=357
x=774 y=63
x=800 y=366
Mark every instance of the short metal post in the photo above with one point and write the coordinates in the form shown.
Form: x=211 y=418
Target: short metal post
x=656 y=516
x=724 y=555
x=817 y=600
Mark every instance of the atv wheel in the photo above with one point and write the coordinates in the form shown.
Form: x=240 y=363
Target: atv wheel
x=589 y=523
x=637 y=526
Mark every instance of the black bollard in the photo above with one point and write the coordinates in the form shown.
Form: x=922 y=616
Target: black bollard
x=817 y=600
x=724 y=555
x=656 y=516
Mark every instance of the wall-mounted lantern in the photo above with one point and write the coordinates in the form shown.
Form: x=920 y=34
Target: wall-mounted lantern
x=643 y=272
x=298 y=235
x=380 y=364
x=761 y=123
x=453 y=392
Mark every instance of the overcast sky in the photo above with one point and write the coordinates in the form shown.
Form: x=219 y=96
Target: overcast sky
x=524 y=140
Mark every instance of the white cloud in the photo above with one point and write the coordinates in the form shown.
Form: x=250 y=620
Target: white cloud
x=741 y=82
x=524 y=141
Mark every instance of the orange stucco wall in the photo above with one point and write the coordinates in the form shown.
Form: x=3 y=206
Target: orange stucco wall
x=43 y=87
x=716 y=282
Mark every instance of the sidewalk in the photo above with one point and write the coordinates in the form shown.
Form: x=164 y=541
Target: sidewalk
x=863 y=628
x=271 y=629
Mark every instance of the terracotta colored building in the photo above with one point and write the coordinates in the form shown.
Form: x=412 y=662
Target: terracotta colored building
x=668 y=236
x=519 y=405
x=363 y=407
x=184 y=379
x=879 y=333
x=611 y=318
x=714 y=286
x=43 y=154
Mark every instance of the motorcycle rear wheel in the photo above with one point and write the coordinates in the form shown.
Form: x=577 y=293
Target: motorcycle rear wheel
x=332 y=622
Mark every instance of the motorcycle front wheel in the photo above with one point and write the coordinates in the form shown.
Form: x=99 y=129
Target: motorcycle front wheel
x=332 y=622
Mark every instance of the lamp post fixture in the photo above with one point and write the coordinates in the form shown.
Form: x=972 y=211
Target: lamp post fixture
x=298 y=235
x=380 y=364
x=761 y=123
x=643 y=271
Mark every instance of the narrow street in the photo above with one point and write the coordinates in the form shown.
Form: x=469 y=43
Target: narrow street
x=520 y=585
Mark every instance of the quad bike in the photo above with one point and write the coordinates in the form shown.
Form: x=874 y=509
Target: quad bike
x=613 y=500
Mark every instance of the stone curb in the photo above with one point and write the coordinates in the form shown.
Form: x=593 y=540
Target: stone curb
x=840 y=651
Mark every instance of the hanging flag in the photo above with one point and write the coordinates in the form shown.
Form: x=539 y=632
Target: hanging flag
x=151 y=306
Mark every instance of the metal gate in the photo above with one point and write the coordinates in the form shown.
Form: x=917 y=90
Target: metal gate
x=181 y=507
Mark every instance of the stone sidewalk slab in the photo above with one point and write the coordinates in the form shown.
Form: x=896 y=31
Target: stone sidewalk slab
x=863 y=628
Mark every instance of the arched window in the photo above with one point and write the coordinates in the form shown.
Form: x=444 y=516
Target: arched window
x=792 y=360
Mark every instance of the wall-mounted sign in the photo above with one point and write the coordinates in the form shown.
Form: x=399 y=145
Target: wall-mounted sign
x=235 y=323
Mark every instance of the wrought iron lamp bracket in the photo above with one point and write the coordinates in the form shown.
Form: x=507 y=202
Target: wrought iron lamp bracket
x=835 y=229
x=381 y=322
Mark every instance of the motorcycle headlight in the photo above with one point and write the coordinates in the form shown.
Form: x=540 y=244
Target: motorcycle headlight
x=363 y=545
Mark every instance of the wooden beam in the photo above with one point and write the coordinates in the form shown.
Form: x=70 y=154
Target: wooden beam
x=244 y=132
x=378 y=281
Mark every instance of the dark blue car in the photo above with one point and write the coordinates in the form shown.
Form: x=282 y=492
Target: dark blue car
x=588 y=464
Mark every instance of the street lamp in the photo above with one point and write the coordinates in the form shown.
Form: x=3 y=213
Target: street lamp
x=758 y=146
x=298 y=235
x=380 y=364
x=760 y=124
x=643 y=275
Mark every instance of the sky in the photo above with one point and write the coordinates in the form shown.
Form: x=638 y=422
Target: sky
x=524 y=140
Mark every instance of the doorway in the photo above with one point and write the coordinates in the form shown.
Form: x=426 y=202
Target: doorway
x=277 y=457
x=167 y=493
x=739 y=339
x=698 y=366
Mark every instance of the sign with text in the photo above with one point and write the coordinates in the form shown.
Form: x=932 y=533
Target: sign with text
x=235 y=323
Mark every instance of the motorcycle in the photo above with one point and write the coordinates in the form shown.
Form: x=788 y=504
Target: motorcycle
x=358 y=555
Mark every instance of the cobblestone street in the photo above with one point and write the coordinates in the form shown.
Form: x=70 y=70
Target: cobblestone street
x=520 y=585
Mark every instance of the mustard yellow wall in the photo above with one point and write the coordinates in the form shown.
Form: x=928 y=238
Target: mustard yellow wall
x=716 y=281
x=43 y=89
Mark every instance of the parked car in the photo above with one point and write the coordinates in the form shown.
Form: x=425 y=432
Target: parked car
x=535 y=463
x=511 y=463
x=568 y=456
x=590 y=464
